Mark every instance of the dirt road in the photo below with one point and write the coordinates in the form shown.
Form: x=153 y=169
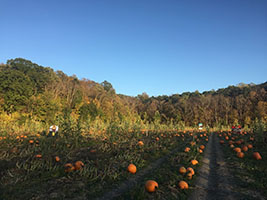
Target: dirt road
x=214 y=180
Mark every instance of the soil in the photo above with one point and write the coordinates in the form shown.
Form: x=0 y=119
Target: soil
x=214 y=180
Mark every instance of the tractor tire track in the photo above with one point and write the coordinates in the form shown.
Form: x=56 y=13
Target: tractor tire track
x=133 y=181
x=214 y=180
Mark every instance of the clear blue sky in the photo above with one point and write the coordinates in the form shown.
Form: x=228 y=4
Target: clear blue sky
x=153 y=46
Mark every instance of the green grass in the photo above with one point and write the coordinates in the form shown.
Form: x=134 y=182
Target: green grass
x=23 y=176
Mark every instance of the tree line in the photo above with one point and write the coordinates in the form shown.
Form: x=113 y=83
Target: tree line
x=34 y=92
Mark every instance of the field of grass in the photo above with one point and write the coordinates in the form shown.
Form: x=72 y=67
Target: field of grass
x=29 y=169
x=32 y=166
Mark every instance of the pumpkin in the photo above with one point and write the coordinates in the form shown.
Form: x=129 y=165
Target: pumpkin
x=157 y=138
x=78 y=165
x=131 y=168
x=151 y=186
x=140 y=143
x=194 y=162
x=200 y=151
x=182 y=170
x=31 y=141
x=57 y=158
x=187 y=149
x=38 y=156
x=237 y=149
x=202 y=147
x=238 y=142
x=189 y=175
x=69 y=167
x=183 y=185
x=240 y=154
x=232 y=146
x=245 y=148
x=257 y=156
x=250 y=146
x=190 y=170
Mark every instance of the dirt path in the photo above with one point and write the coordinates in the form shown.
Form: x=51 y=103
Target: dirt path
x=214 y=180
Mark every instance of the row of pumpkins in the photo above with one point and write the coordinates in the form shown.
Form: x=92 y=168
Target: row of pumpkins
x=235 y=140
x=150 y=185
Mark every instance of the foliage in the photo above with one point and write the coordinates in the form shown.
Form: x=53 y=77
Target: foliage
x=41 y=94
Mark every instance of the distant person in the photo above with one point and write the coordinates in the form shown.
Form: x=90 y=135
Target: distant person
x=53 y=130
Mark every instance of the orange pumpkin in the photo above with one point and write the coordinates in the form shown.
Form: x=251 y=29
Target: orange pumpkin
x=183 y=185
x=140 y=143
x=69 y=167
x=257 y=156
x=250 y=146
x=187 y=149
x=78 y=165
x=57 y=158
x=182 y=170
x=240 y=154
x=237 y=149
x=238 y=142
x=190 y=170
x=189 y=175
x=151 y=186
x=200 y=151
x=245 y=148
x=202 y=147
x=232 y=146
x=194 y=162
x=38 y=156
x=31 y=141
x=132 y=168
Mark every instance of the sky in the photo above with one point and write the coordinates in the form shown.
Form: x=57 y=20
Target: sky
x=161 y=47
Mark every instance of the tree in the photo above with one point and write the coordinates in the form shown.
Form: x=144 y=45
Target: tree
x=40 y=76
x=107 y=86
x=15 y=88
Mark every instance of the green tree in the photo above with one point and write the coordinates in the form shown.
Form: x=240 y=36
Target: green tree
x=16 y=89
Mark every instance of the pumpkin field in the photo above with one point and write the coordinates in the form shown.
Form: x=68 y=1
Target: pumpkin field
x=146 y=164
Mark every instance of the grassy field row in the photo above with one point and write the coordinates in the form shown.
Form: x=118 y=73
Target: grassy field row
x=32 y=166
x=249 y=170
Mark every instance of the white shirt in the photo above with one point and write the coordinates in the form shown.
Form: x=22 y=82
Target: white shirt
x=51 y=128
